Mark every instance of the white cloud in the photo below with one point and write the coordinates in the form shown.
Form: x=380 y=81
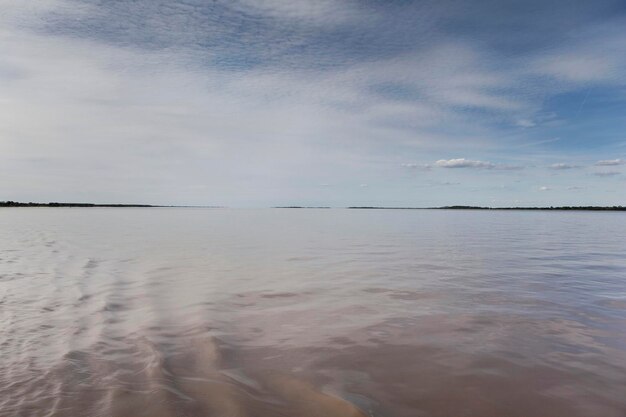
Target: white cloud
x=463 y=163
x=544 y=188
x=469 y=163
x=563 y=166
x=610 y=162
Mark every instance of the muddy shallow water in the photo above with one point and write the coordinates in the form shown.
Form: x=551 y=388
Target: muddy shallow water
x=277 y=312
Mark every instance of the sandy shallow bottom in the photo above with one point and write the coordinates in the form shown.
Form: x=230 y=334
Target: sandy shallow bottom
x=183 y=312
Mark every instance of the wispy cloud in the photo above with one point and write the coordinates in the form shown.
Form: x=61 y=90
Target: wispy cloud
x=469 y=163
x=563 y=166
x=525 y=123
x=463 y=163
x=607 y=173
x=610 y=162
x=412 y=165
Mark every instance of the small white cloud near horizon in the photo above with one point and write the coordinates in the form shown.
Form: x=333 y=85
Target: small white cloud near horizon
x=560 y=166
x=463 y=163
x=610 y=162
x=544 y=188
x=470 y=163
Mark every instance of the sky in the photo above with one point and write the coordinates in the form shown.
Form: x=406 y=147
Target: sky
x=257 y=103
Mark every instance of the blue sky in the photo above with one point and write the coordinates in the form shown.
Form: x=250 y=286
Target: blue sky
x=252 y=103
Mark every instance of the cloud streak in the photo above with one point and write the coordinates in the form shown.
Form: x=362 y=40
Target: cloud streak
x=469 y=163
x=607 y=174
x=610 y=162
x=562 y=166
x=464 y=163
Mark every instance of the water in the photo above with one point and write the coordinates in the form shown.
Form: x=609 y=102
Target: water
x=328 y=313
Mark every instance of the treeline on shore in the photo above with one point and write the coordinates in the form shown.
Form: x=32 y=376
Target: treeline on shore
x=54 y=204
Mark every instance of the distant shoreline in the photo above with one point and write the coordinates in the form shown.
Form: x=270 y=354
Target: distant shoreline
x=113 y=205
x=551 y=208
x=54 y=204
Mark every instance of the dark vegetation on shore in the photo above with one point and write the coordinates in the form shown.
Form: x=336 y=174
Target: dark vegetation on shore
x=53 y=204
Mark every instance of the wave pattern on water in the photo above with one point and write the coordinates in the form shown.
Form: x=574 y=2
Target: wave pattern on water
x=190 y=312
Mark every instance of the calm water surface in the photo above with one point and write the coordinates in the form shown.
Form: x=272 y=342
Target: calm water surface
x=325 y=313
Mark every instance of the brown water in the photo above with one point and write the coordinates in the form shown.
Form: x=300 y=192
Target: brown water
x=199 y=312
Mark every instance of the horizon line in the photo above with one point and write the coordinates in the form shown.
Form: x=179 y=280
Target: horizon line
x=10 y=203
